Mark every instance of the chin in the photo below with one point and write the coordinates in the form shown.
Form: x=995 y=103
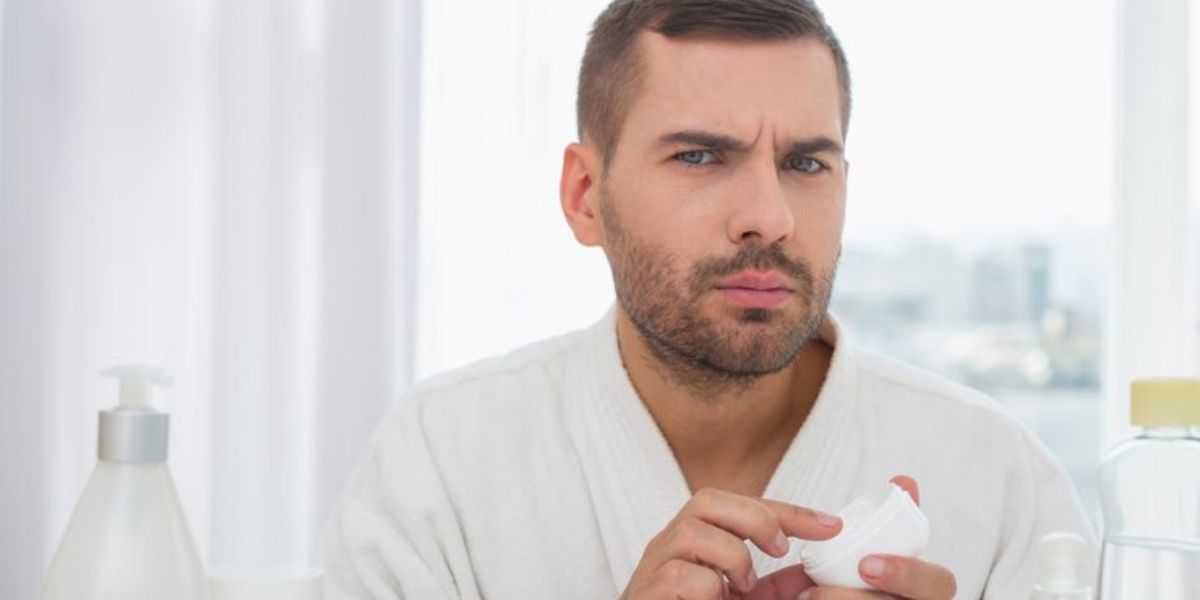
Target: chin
x=742 y=316
x=758 y=315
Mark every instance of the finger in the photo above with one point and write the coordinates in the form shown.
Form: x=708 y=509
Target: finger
x=908 y=577
x=699 y=542
x=786 y=583
x=683 y=579
x=909 y=485
x=837 y=593
x=804 y=523
x=747 y=518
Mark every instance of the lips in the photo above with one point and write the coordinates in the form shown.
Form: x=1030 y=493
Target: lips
x=756 y=289
x=761 y=281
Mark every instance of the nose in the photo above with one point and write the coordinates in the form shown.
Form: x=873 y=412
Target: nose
x=759 y=207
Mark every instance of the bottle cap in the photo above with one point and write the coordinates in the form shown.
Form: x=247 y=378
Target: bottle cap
x=1165 y=402
x=882 y=521
x=134 y=432
x=269 y=581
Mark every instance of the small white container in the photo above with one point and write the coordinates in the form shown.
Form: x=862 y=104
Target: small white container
x=269 y=581
x=1065 y=568
x=883 y=521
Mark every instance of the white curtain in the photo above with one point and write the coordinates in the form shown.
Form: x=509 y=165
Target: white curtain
x=225 y=188
x=498 y=265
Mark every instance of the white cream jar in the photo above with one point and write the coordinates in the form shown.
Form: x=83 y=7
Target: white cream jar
x=883 y=521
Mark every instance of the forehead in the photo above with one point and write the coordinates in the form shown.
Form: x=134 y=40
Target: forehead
x=789 y=86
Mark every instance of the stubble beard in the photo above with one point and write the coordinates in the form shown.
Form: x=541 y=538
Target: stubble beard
x=688 y=346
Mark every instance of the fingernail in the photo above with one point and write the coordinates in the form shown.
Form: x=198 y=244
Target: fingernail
x=873 y=567
x=781 y=543
x=828 y=520
x=805 y=595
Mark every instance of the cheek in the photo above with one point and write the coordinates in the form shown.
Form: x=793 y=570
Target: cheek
x=822 y=220
x=681 y=226
x=818 y=233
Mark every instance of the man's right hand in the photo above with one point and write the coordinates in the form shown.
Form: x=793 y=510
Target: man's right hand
x=701 y=554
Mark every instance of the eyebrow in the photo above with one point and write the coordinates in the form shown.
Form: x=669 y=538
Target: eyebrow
x=719 y=141
x=814 y=145
x=707 y=139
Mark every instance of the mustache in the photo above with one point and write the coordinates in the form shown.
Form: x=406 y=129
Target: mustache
x=754 y=256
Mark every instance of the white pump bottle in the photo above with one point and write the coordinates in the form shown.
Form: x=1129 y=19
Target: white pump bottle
x=128 y=539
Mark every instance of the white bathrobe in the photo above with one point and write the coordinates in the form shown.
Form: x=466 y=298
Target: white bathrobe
x=542 y=475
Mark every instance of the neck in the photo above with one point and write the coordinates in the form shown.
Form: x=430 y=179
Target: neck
x=727 y=436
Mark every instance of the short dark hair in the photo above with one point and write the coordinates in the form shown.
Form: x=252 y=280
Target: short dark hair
x=610 y=75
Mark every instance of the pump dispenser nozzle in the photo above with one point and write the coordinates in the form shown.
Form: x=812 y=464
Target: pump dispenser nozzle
x=136 y=382
x=134 y=432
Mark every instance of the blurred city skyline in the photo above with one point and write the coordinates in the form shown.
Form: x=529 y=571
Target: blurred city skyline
x=1018 y=314
x=1002 y=316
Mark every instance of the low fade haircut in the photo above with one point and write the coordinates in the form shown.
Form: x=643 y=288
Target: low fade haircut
x=611 y=73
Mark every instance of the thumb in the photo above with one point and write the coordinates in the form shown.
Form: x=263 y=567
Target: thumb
x=909 y=485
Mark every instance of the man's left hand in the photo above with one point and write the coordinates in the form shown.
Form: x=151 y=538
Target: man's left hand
x=895 y=577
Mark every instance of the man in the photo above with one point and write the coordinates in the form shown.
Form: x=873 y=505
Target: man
x=685 y=446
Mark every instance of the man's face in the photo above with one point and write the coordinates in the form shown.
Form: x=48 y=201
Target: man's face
x=722 y=207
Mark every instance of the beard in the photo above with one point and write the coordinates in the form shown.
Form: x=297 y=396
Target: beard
x=712 y=355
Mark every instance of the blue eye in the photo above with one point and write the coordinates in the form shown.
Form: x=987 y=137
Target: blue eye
x=696 y=158
x=804 y=164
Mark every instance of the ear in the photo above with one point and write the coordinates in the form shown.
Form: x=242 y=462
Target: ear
x=579 y=193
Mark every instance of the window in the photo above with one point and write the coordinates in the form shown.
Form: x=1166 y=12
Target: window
x=979 y=216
